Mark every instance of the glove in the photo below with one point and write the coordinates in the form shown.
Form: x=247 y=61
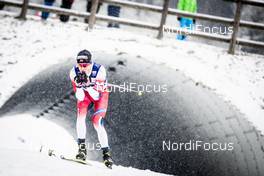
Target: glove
x=81 y=79
x=179 y=18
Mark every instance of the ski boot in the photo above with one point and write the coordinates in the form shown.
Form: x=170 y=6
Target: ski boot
x=107 y=158
x=82 y=152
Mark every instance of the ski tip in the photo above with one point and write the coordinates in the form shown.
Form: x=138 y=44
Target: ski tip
x=62 y=157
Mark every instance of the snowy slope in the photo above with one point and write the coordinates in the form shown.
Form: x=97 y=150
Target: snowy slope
x=29 y=133
x=23 y=136
x=33 y=163
x=29 y=47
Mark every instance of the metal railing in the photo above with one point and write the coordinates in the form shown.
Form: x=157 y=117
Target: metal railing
x=164 y=11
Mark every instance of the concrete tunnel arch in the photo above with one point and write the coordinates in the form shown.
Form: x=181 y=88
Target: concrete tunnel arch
x=139 y=125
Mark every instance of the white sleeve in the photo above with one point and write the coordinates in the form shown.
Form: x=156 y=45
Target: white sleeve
x=101 y=75
x=72 y=74
x=79 y=94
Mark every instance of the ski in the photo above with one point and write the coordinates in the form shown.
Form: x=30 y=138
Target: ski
x=75 y=160
x=108 y=164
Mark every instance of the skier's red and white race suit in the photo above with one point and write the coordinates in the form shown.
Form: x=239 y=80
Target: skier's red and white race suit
x=98 y=95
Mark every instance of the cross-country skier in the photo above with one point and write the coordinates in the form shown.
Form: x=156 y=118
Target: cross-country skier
x=89 y=84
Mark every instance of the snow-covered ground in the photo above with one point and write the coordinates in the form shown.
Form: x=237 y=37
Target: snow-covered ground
x=29 y=47
x=29 y=133
x=34 y=163
x=24 y=136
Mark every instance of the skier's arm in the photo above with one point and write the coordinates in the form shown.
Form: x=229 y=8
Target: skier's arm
x=99 y=85
x=100 y=82
x=72 y=76
x=79 y=93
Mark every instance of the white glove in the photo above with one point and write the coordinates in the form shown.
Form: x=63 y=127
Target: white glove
x=80 y=94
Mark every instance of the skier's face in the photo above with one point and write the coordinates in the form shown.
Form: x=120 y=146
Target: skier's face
x=86 y=67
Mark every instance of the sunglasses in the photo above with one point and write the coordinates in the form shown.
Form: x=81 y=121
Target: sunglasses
x=84 y=64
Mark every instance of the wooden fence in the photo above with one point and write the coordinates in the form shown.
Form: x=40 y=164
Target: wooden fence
x=236 y=22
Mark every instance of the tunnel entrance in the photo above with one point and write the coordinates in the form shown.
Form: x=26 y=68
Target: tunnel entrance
x=145 y=131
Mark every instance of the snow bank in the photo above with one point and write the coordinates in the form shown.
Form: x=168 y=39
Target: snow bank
x=23 y=136
x=34 y=134
x=17 y=163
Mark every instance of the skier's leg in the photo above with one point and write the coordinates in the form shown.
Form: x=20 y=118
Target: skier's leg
x=98 y=117
x=101 y=132
x=81 y=127
x=81 y=117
